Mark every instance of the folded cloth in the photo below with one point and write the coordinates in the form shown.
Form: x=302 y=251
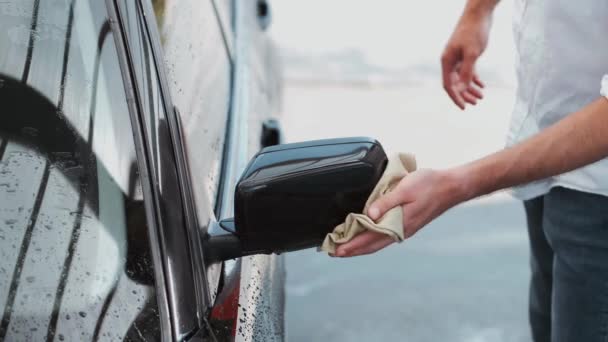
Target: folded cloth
x=391 y=223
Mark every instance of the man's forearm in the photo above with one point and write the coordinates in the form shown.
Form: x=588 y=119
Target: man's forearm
x=573 y=142
x=479 y=7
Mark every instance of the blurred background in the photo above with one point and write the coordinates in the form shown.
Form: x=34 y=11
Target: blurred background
x=371 y=68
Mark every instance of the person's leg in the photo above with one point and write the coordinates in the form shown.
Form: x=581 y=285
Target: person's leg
x=541 y=262
x=576 y=225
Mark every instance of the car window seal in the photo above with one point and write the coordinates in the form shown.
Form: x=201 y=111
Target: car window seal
x=144 y=170
x=191 y=219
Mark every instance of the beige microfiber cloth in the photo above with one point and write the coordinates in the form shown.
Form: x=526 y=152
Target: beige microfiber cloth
x=391 y=223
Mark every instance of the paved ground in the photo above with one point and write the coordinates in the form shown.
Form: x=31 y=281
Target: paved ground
x=464 y=278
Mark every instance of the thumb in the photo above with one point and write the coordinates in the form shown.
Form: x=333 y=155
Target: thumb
x=383 y=204
x=467 y=66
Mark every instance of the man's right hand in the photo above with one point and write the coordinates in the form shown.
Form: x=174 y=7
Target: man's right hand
x=466 y=44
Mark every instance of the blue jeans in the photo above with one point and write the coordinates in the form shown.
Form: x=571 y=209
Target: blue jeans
x=569 y=257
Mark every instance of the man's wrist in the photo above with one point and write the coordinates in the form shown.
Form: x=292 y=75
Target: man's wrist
x=479 y=10
x=459 y=183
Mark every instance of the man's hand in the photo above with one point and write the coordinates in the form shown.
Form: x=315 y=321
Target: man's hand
x=423 y=195
x=466 y=44
x=575 y=141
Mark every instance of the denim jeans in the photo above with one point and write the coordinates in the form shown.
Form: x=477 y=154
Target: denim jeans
x=568 y=232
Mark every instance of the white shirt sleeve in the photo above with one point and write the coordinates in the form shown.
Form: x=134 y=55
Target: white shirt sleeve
x=604 y=90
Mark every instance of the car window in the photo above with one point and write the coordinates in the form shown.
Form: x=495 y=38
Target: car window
x=75 y=255
x=199 y=77
x=186 y=286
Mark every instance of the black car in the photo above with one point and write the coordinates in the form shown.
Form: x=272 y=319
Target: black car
x=110 y=116
x=124 y=128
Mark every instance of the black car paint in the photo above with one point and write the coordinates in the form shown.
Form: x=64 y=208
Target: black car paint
x=255 y=90
x=255 y=98
x=82 y=147
x=149 y=181
x=175 y=243
x=184 y=296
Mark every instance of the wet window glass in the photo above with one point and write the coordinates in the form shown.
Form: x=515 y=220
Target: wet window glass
x=198 y=67
x=75 y=256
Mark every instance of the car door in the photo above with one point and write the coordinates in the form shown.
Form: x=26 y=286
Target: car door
x=215 y=130
x=198 y=71
x=223 y=79
x=256 y=101
x=181 y=258
x=78 y=248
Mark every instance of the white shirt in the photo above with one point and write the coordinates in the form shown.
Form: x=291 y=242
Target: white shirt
x=562 y=66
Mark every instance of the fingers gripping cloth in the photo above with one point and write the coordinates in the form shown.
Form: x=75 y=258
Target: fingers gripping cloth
x=391 y=224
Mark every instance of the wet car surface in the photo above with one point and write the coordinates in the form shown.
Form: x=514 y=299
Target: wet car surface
x=127 y=125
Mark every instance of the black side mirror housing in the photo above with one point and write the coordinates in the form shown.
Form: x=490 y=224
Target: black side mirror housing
x=290 y=196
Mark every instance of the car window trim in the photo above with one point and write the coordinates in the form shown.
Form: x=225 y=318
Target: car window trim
x=235 y=150
x=152 y=215
x=236 y=145
x=194 y=225
x=226 y=29
x=202 y=293
x=174 y=123
x=176 y=132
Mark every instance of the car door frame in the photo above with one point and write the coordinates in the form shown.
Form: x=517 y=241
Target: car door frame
x=235 y=158
x=174 y=178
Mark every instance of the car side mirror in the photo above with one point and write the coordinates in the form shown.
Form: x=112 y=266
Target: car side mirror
x=290 y=196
